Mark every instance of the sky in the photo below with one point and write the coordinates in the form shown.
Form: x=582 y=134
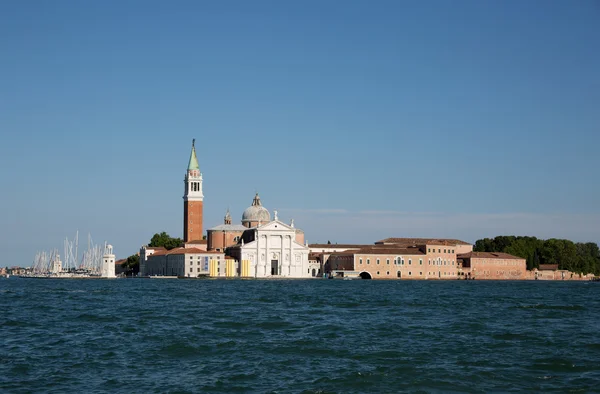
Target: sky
x=361 y=120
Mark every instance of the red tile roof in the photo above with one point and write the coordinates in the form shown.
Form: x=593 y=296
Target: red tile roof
x=182 y=251
x=191 y=251
x=392 y=250
x=488 y=255
x=389 y=250
x=338 y=246
x=422 y=241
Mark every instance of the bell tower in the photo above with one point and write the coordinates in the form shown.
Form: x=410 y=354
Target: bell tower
x=192 y=200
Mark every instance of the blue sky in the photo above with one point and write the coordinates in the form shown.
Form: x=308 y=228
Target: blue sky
x=359 y=119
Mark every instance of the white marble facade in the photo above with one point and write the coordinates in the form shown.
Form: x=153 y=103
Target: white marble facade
x=273 y=251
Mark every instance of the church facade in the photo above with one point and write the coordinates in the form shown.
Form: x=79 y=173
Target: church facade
x=271 y=250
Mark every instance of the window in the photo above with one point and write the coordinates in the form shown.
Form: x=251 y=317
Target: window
x=420 y=261
x=377 y=272
x=402 y=262
x=452 y=251
x=420 y=273
x=387 y=273
x=444 y=250
x=387 y=261
x=429 y=250
x=409 y=273
x=360 y=261
x=409 y=261
x=439 y=250
x=368 y=261
x=198 y=269
x=191 y=269
x=377 y=261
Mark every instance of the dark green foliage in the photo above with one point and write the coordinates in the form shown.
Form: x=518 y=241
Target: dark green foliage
x=163 y=239
x=576 y=257
x=132 y=265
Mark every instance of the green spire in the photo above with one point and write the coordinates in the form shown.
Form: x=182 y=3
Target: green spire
x=193 y=159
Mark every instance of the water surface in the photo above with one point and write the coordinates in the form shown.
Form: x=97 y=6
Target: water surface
x=298 y=336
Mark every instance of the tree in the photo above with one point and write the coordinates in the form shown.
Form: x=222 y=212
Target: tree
x=576 y=257
x=163 y=239
x=328 y=242
x=132 y=265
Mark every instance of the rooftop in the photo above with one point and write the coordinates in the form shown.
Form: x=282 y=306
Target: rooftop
x=488 y=255
x=183 y=251
x=390 y=250
x=336 y=246
x=193 y=164
x=422 y=241
x=229 y=227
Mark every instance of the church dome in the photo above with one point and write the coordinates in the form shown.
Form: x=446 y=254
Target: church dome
x=256 y=213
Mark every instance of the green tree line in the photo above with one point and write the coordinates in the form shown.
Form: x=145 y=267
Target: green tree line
x=576 y=257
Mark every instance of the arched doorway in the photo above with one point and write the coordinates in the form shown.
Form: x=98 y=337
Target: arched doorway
x=365 y=275
x=314 y=272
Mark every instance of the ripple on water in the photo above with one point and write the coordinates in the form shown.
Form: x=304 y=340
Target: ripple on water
x=312 y=336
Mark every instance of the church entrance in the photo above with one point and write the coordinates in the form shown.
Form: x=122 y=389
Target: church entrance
x=274 y=267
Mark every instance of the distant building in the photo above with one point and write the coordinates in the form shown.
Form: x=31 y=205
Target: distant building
x=458 y=245
x=181 y=262
x=224 y=235
x=145 y=254
x=551 y=272
x=398 y=258
x=119 y=269
x=492 y=265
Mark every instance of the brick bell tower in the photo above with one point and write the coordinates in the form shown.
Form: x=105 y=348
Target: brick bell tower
x=192 y=200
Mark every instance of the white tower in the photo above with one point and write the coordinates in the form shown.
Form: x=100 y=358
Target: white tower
x=108 y=262
x=56 y=265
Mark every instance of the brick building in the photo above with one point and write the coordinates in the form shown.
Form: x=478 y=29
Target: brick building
x=492 y=265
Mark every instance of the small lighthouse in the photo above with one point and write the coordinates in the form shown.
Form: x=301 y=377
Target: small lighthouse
x=108 y=262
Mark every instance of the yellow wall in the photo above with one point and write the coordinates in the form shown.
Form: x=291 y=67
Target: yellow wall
x=213 y=266
x=230 y=268
x=245 y=271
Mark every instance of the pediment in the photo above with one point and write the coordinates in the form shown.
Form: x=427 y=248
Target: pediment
x=277 y=225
